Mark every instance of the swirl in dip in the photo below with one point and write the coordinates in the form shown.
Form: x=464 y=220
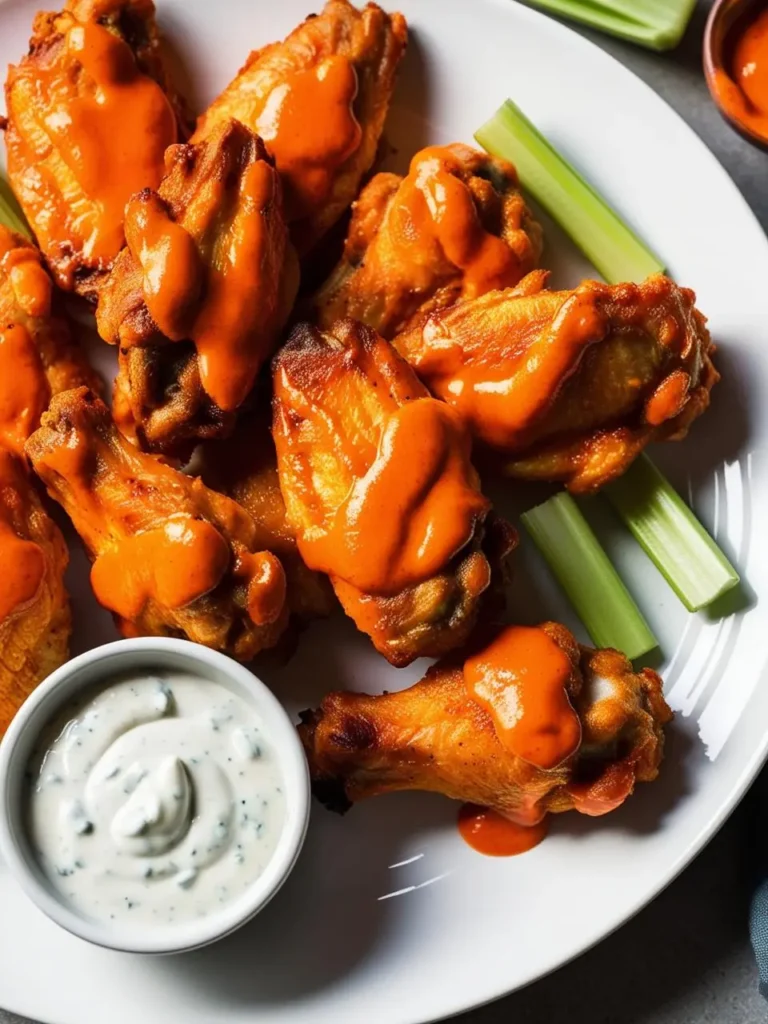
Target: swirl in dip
x=157 y=798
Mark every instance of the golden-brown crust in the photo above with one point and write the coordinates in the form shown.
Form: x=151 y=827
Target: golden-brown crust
x=159 y=380
x=434 y=737
x=386 y=282
x=112 y=491
x=373 y=41
x=47 y=188
x=34 y=639
x=333 y=395
x=605 y=407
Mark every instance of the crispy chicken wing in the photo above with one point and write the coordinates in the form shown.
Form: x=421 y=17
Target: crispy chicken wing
x=90 y=114
x=439 y=736
x=245 y=467
x=455 y=228
x=38 y=356
x=379 y=487
x=34 y=608
x=569 y=385
x=171 y=557
x=318 y=100
x=199 y=295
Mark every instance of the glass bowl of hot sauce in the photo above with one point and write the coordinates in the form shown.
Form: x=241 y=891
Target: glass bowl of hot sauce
x=736 y=65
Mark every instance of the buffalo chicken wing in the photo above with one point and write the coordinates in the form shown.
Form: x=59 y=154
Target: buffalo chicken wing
x=379 y=487
x=454 y=228
x=90 y=114
x=199 y=295
x=569 y=385
x=318 y=99
x=171 y=557
x=529 y=724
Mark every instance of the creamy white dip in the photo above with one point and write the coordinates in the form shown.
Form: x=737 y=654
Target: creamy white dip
x=155 y=799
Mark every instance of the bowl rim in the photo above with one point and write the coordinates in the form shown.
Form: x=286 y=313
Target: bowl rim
x=711 y=54
x=88 y=670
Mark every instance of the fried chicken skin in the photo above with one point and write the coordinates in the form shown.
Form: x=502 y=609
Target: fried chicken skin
x=245 y=468
x=38 y=355
x=90 y=114
x=569 y=385
x=318 y=99
x=379 y=487
x=528 y=724
x=454 y=228
x=171 y=557
x=35 y=622
x=197 y=299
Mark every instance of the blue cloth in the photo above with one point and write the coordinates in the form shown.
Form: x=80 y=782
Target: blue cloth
x=758 y=853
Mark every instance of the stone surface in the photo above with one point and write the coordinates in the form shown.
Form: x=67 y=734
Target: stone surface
x=686 y=958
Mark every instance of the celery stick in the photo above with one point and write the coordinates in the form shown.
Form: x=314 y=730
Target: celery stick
x=657 y=24
x=599 y=232
x=10 y=211
x=671 y=536
x=581 y=566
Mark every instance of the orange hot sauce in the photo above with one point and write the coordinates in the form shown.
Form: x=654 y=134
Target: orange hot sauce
x=434 y=203
x=414 y=509
x=309 y=126
x=24 y=388
x=520 y=679
x=175 y=564
x=740 y=84
x=496 y=836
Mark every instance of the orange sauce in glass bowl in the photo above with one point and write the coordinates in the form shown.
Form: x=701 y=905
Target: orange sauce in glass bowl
x=736 y=65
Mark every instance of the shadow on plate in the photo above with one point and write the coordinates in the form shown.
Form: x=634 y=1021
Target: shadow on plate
x=332 y=913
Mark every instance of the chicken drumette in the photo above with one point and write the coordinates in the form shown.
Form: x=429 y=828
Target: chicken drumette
x=171 y=557
x=90 y=114
x=479 y=730
x=199 y=295
x=379 y=487
x=569 y=385
x=34 y=608
x=318 y=99
x=456 y=227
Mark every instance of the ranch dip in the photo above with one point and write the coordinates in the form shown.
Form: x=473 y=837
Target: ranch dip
x=157 y=798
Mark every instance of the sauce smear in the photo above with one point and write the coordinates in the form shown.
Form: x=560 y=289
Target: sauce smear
x=496 y=836
x=520 y=679
x=310 y=128
x=174 y=564
x=414 y=509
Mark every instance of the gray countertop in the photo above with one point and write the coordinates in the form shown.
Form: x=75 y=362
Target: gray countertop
x=686 y=958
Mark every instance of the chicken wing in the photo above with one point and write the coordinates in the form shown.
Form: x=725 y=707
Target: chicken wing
x=569 y=385
x=90 y=114
x=171 y=557
x=38 y=356
x=245 y=468
x=35 y=619
x=199 y=295
x=379 y=487
x=438 y=736
x=318 y=100
x=455 y=228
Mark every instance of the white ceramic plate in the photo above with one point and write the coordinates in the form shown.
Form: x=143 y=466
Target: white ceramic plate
x=389 y=916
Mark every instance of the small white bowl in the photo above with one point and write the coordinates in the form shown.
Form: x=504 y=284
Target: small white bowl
x=98 y=667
